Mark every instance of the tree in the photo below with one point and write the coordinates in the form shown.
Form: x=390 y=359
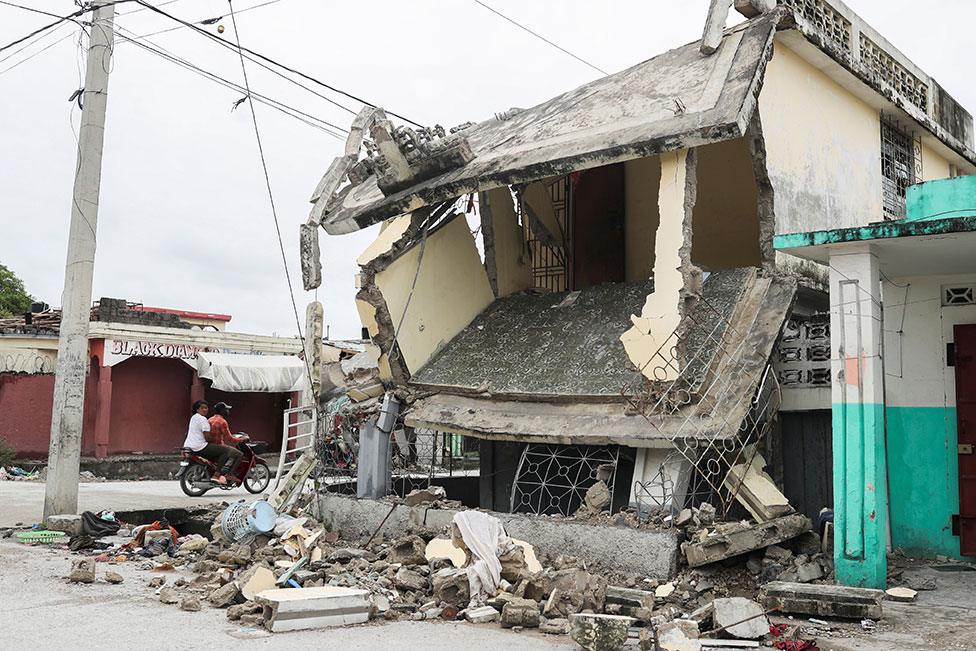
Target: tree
x=14 y=299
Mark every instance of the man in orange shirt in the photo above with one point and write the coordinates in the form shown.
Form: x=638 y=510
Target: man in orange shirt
x=220 y=435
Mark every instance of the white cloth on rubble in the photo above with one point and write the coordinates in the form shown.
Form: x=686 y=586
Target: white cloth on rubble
x=485 y=538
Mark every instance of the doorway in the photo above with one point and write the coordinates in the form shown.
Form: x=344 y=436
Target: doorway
x=964 y=337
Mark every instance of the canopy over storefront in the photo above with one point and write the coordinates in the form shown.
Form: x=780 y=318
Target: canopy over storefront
x=260 y=373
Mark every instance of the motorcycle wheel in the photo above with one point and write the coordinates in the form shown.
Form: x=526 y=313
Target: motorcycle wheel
x=257 y=479
x=194 y=474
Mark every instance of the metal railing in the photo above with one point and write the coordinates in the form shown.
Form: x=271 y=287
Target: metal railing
x=298 y=427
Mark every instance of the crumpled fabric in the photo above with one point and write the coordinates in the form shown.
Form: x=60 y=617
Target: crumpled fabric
x=486 y=540
x=96 y=526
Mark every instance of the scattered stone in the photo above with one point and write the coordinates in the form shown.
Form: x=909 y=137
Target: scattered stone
x=738 y=538
x=190 y=603
x=256 y=579
x=482 y=615
x=678 y=635
x=727 y=611
x=82 y=571
x=225 y=595
x=778 y=554
x=683 y=518
x=823 y=600
x=920 y=583
x=408 y=551
x=599 y=632
x=409 y=580
x=901 y=594
x=664 y=590
x=425 y=495
x=597 y=498
x=114 y=577
x=194 y=544
x=169 y=596
x=157 y=582
x=451 y=586
x=520 y=612
x=557 y=626
x=807 y=572
x=237 y=611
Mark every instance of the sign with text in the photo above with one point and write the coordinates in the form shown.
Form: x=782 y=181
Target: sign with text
x=118 y=351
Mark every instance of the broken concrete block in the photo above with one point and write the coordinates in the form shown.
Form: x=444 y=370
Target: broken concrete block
x=310 y=256
x=520 y=612
x=664 y=590
x=70 y=524
x=536 y=586
x=778 y=554
x=408 y=551
x=683 y=518
x=451 y=586
x=599 y=632
x=425 y=495
x=225 y=595
x=169 y=596
x=823 y=600
x=190 y=603
x=755 y=490
x=444 y=548
x=901 y=594
x=733 y=614
x=630 y=597
x=409 y=580
x=575 y=590
x=197 y=544
x=597 y=498
x=743 y=538
x=82 y=571
x=256 y=579
x=237 y=611
x=293 y=609
x=157 y=581
x=557 y=626
x=678 y=635
x=481 y=615
x=113 y=577
x=809 y=571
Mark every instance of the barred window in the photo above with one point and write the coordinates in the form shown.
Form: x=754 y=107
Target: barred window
x=900 y=167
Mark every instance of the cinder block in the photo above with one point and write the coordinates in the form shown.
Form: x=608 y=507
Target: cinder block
x=70 y=524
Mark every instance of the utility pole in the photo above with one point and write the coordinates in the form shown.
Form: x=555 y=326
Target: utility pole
x=64 y=456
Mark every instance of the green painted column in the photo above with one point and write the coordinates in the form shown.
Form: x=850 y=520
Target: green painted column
x=860 y=495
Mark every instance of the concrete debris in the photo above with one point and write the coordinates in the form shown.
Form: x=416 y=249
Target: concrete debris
x=293 y=609
x=224 y=596
x=481 y=615
x=520 y=612
x=599 y=632
x=733 y=539
x=190 y=603
x=237 y=611
x=740 y=617
x=901 y=594
x=257 y=578
x=113 y=577
x=755 y=490
x=408 y=551
x=597 y=498
x=451 y=587
x=425 y=495
x=444 y=548
x=82 y=571
x=823 y=600
x=169 y=596
x=70 y=524
x=408 y=579
x=678 y=635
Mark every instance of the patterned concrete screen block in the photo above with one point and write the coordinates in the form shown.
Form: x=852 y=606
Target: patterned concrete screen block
x=293 y=609
x=823 y=600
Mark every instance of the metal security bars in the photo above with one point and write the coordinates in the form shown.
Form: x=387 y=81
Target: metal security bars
x=553 y=479
x=550 y=262
x=901 y=166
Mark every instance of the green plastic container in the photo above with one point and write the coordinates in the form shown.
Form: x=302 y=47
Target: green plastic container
x=42 y=537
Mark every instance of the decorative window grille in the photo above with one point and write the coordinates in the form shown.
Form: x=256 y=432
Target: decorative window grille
x=958 y=296
x=550 y=262
x=886 y=71
x=901 y=165
x=803 y=357
x=835 y=28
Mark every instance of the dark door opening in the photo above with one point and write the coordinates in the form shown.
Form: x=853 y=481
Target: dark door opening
x=599 y=254
x=965 y=365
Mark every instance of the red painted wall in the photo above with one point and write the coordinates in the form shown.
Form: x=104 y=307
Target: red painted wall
x=150 y=405
x=25 y=414
x=258 y=414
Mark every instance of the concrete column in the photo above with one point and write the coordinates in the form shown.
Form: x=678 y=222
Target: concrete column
x=860 y=488
x=103 y=412
x=373 y=469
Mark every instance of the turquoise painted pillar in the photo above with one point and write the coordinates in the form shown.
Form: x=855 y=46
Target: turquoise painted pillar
x=860 y=495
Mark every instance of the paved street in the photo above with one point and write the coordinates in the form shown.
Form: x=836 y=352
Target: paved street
x=23 y=501
x=34 y=594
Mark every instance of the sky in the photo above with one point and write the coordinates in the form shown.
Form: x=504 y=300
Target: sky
x=184 y=218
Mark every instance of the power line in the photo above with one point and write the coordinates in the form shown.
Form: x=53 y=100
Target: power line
x=541 y=37
x=37 y=31
x=34 y=42
x=205 y=21
x=274 y=212
x=291 y=111
x=31 y=56
x=31 y=9
x=271 y=61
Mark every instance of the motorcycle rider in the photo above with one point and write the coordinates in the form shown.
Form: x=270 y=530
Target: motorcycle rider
x=196 y=440
x=220 y=431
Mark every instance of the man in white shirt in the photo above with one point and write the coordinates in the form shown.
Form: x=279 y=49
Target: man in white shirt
x=196 y=440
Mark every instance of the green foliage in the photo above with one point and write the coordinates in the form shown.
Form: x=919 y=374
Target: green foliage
x=14 y=299
x=7 y=454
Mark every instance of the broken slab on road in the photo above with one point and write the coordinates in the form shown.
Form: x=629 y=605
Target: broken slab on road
x=293 y=609
x=740 y=538
x=823 y=600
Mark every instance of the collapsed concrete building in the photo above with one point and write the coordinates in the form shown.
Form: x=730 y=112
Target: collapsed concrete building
x=626 y=313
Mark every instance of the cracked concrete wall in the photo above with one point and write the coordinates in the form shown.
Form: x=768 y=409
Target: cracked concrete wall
x=726 y=220
x=507 y=260
x=676 y=280
x=451 y=288
x=642 y=181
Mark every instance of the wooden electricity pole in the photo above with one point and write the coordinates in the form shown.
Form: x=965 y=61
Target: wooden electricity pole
x=64 y=456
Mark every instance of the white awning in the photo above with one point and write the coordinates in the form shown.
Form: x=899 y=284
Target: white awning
x=260 y=373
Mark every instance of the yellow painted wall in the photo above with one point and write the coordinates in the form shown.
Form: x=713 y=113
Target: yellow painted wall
x=642 y=180
x=452 y=288
x=934 y=166
x=513 y=266
x=823 y=148
x=367 y=316
x=726 y=222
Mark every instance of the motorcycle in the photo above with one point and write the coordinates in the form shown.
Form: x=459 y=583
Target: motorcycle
x=196 y=474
